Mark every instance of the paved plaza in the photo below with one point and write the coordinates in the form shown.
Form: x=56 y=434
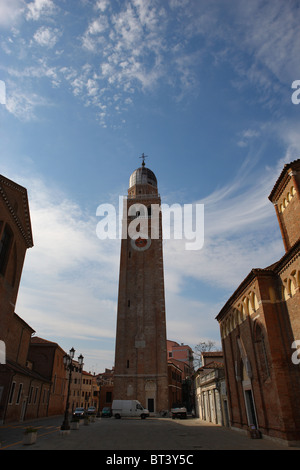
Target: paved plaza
x=131 y=434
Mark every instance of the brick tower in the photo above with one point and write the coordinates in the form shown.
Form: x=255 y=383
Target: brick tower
x=141 y=355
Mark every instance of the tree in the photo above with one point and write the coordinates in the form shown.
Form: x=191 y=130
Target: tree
x=201 y=347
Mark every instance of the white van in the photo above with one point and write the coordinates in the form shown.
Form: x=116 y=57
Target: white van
x=128 y=408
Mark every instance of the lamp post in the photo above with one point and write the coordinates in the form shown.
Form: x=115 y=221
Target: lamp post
x=99 y=385
x=68 y=362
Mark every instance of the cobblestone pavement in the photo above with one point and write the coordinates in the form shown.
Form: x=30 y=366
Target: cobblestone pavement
x=152 y=434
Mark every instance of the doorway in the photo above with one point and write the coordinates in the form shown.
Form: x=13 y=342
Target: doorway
x=250 y=408
x=150 y=405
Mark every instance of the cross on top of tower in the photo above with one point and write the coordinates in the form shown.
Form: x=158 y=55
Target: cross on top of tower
x=143 y=157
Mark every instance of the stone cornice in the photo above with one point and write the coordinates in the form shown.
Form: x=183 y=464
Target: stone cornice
x=26 y=231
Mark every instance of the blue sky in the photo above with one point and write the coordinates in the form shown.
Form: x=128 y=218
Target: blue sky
x=201 y=87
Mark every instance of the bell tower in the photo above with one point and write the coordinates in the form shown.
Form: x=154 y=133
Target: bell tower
x=141 y=349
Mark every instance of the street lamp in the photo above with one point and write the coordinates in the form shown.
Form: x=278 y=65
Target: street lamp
x=99 y=385
x=68 y=362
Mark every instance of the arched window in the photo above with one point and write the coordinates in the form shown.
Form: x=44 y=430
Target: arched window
x=255 y=302
x=242 y=313
x=249 y=307
x=291 y=288
x=259 y=340
x=285 y=293
x=235 y=317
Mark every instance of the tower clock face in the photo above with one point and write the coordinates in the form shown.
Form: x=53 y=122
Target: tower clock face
x=141 y=244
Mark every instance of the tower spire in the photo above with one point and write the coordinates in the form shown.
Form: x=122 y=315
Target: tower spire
x=143 y=157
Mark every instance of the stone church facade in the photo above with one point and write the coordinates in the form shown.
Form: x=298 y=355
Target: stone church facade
x=260 y=330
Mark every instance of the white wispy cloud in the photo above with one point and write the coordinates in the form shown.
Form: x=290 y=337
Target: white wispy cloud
x=134 y=36
x=39 y=8
x=273 y=37
x=246 y=136
x=262 y=48
x=101 y=5
x=47 y=37
x=237 y=224
x=138 y=46
x=11 y=12
x=24 y=104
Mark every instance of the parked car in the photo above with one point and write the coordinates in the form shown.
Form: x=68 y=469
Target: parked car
x=79 y=413
x=106 y=412
x=91 y=410
x=179 y=411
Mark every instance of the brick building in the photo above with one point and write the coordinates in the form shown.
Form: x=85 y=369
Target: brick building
x=141 y=356
x=75 y=399
x=23 y=391
x=174 y=383
x=47 y=359
x=88 y=386
x=259 y=324
x=106 y=388
x=210 y=389
x=32 y=377
x=182 y=355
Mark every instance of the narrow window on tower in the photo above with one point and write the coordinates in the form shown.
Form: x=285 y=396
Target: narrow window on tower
x=129 y=254
x=5 y=246
x=127 y=364
x=128 y=303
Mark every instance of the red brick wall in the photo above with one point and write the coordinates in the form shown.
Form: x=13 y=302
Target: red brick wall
x=141 y=356
x=268 y=331
x=47 y=360
x=14 y=215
